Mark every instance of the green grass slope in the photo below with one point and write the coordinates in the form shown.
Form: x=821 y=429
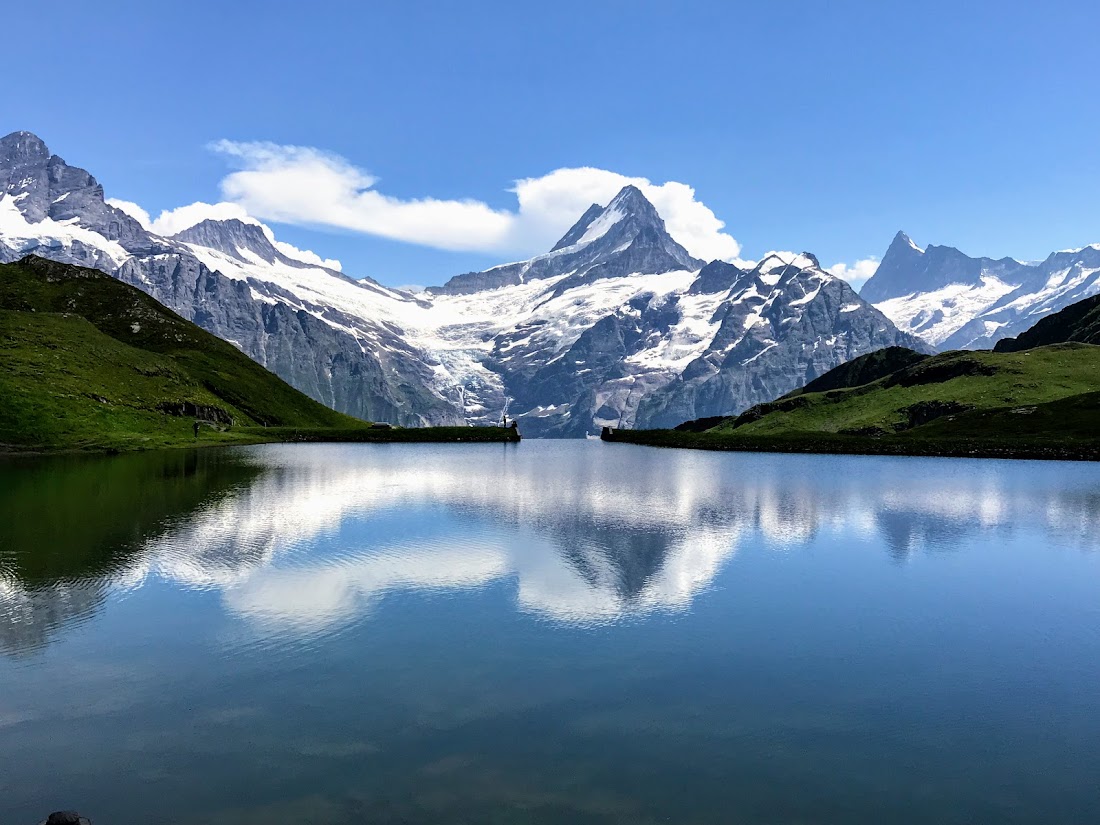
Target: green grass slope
x=1042 y=402
x=88 y=362
x=949 y=386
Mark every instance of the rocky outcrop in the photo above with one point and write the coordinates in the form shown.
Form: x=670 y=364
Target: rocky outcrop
x=865 y=369
x=66 y=818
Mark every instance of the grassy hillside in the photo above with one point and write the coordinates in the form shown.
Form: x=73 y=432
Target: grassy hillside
x=87 y=362
x=1042 y=402
x=948 y=386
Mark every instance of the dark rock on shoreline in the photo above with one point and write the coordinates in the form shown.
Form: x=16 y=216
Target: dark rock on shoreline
x=67 y=818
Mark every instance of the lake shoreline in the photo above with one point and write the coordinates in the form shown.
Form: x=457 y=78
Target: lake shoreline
x=246 y=436
x=829 y=444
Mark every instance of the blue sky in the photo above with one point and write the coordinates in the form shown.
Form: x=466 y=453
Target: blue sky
x=802 y=125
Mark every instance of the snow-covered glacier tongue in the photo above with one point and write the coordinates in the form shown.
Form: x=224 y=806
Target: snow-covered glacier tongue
x=618 y=324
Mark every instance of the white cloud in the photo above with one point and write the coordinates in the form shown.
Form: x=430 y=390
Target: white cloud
x=173 y=221
x=857 y=274
x=131 y=209
x=306 y=186
x=306 y=255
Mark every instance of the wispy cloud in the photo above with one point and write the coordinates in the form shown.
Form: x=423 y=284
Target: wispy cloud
x=310 y=187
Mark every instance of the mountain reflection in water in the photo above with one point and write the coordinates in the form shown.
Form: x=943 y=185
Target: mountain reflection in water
x=306 y=538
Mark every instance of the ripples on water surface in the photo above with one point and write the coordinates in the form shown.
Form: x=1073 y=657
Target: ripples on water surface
x=551 y=632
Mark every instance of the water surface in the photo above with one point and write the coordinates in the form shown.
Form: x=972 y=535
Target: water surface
x=551 y=632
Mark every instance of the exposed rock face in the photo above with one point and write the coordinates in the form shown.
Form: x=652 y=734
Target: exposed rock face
x=45 y=187
x=350 y=363
x=953 y=301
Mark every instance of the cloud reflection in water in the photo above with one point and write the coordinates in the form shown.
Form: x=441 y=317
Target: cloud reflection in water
x=589 y=533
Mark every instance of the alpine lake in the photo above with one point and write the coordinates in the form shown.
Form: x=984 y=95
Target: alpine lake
x=548 y=632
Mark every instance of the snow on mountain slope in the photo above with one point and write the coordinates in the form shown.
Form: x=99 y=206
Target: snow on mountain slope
x=937 y=315
x=22 y=237
x=307 y=285
x=953 y=301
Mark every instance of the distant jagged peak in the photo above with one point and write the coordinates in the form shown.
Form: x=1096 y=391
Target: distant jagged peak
x=903 y=243
x=629 y=214
x=773 y=261
x=631 y=201
x=231 y=236
x=626 y=237
x=1092 y=247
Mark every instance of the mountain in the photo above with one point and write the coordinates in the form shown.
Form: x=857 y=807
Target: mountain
x=315 y=328
x=617 y=324
x=625 y=237
x=1078 y=322
x=1034 y=396
x=575 y=346
x=90 y=361
x=780 y=324
x=953 y=301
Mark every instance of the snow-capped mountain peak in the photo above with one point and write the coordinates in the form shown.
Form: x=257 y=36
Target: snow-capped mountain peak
x=626 y=236
x=631 y=201
x=903 y=244
x=63 y=205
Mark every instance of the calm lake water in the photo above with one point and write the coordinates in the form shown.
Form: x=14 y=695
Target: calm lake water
x=550 y=632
